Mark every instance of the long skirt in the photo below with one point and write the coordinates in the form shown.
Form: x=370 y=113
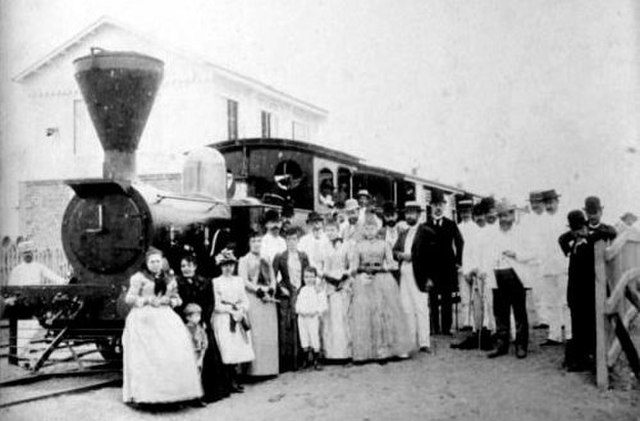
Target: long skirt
x=415 y=305
x=288 y=340
x=235 y=345
x=378 y=324
x=336 y=334
x=159 y=360
x=393 y=335
x=264 y=335
x=216 y=379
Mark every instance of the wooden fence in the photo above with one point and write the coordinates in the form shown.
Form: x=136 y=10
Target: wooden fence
x=53 y=258
x=617 y=303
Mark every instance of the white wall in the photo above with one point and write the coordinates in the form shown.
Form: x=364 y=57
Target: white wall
x=190 y=110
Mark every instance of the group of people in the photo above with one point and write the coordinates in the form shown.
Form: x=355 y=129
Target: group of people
x=545 y=254
x=359 y=286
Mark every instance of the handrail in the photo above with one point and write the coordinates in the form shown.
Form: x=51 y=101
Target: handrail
x=620 y=290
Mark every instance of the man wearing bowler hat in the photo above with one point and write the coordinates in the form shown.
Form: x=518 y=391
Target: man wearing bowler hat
x=315 y=242
x=447 y=262
x=595 y=227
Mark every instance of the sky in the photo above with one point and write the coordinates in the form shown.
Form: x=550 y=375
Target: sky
x=497 y=96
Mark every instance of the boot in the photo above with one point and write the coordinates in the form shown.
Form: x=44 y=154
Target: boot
x=316 y=361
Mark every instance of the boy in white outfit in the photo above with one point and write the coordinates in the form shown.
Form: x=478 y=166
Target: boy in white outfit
x=310 y=305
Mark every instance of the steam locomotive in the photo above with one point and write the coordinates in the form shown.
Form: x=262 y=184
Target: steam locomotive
x=111 y=221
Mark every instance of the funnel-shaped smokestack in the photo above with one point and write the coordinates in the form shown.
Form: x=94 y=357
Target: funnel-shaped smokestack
x=119 y=89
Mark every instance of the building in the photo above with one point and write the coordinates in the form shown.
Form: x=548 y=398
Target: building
x=199 y=102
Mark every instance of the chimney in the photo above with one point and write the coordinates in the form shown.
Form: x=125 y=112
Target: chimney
x=119 y=89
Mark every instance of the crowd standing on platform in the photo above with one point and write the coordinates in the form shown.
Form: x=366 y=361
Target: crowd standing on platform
x=362 y=285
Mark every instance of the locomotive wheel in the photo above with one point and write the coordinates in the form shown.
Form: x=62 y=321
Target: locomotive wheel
x=110 y=349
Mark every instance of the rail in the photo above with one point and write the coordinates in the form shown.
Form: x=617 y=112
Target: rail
x=617 y=270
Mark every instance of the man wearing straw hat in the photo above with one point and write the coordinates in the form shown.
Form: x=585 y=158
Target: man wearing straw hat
x=554 y=274
x=510 y=257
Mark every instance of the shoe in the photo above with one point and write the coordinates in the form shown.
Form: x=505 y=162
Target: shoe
x=425 y=349
x=497 y=353
x=550 y=342
x=521 y=352
x=541 y=326
x=466 y=329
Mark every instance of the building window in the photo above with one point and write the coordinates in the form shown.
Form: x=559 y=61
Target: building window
x=232 y=119
x=299 y=131
x=266 y=124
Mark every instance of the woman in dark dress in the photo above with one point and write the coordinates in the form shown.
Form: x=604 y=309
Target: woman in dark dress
x=288 y=267
x=193 y=288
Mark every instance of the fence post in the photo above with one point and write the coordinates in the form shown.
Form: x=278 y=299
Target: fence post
x=602 y=337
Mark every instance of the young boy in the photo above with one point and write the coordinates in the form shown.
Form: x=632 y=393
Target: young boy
x=193 y=314
x=310 y=305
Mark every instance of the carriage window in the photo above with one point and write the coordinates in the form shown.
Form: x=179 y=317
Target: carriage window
x=325 y=187
x=288 y=175
x=343 y=192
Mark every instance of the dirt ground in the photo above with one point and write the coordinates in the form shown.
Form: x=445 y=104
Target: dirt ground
x=446 y=385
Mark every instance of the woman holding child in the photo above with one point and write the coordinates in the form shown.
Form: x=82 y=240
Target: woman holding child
x=159 y=359
x=194 y=289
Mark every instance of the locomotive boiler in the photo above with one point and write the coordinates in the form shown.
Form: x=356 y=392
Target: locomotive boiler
x=112 y=221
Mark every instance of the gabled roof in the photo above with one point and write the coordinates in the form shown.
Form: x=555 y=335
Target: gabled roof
x=106 y=21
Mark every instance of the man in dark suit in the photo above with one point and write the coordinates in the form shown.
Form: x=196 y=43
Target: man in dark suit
x=446 y=262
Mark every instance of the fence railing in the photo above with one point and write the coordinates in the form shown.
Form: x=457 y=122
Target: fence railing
x=53 y=258
x=617 y=303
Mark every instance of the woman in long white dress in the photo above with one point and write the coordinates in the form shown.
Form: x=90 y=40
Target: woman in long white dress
x=336 y=335
x=159 y=362
x=230 y=321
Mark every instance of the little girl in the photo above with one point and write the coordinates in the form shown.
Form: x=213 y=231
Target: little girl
x=310 y=305
x=230 y=322
x=193 y=314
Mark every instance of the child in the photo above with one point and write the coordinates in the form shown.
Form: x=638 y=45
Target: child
x=193 y=314
x=310 y=305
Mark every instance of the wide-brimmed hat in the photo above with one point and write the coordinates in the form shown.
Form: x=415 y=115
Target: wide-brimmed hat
x=363 y=192
x=225 y=256
x=314 y=217
x=26 y=247
x=437 y=196
x=592 y=204
x=413 y=205
x=576 y=219
x=536 y=197
x=351 y=204
x=549 y=195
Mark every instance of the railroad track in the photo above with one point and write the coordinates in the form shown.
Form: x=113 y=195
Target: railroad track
x=31 y=388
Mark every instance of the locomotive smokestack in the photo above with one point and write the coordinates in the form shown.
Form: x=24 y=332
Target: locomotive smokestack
x=119 y=89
